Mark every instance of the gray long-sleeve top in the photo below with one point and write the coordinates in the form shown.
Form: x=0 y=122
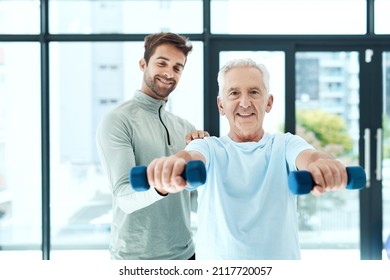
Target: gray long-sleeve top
x=145 y=225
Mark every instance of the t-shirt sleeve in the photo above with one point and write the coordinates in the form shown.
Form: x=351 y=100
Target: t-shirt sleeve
x=200 y=146
x=294 y=146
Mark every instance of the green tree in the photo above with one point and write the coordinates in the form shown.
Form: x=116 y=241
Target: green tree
x=325 y=131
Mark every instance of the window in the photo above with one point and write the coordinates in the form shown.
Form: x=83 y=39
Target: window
x=121 y=16
x=324 y=120
x=288 y=17
x=20 y=146
x=382 y=19
x=19 y=17
x=386 y=150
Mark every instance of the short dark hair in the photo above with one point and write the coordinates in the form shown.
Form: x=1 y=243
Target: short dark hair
x=154 y=40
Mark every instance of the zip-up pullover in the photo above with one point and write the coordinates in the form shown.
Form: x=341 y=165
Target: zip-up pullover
x=145 y=225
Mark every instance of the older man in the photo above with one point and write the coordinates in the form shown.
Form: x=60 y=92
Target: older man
x=245 y=209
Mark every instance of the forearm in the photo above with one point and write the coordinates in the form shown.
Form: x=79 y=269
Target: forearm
x=187 y=156
x=117 y=160
x=328 y=173
x=307 y=157
x=126 y=198
x=130 y=201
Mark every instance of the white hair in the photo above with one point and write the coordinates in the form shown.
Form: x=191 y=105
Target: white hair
x=242 y=62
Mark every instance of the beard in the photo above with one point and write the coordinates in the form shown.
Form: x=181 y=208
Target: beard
x=157 y=87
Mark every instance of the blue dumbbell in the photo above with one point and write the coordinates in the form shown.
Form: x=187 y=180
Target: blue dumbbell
x=301 y=182
x=194 y=173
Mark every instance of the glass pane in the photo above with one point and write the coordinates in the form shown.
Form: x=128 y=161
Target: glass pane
x=327 y=107
x=88 y=80
x=19 y=17
x=274 y=61
x=121 y=16
x=382 y=19
x=288 y=17
x=386 y=153
x=20 y=146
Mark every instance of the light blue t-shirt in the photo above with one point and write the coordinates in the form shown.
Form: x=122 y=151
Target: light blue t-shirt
x=245 y=208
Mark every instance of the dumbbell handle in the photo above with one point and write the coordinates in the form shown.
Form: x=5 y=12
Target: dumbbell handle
x=194 y=173
x=301 y=182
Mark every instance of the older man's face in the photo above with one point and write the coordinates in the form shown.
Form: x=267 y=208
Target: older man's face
x=244 y=102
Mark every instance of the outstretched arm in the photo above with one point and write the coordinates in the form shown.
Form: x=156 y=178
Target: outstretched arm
x=164 y=173
x=328 y=173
